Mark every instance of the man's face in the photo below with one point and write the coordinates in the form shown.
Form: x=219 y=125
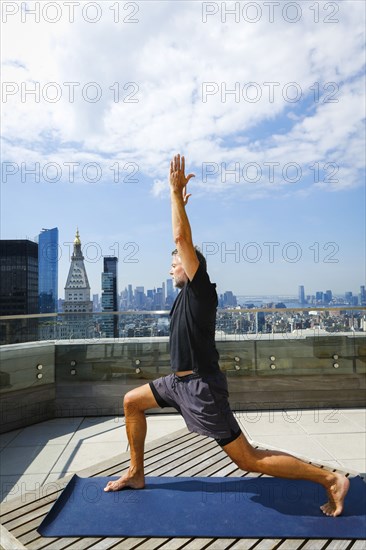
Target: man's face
x=177 y=272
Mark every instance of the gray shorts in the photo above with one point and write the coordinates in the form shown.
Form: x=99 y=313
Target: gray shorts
x=202 y=401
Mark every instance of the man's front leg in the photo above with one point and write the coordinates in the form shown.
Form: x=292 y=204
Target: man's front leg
x=136 y=402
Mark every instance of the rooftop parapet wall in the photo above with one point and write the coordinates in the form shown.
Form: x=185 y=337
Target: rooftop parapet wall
x=42 y=380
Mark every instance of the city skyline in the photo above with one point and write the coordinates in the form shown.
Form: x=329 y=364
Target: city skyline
x=50 y=254
x=276 y=141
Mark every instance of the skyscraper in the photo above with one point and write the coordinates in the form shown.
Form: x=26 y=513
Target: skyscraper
x=110 y=296
x=328 y=296
x=302 y=295
x=48 y=270
x=158 y=299
x=170 y=293
x=19 y=289
x=139 y=298
x=319 y=297
x=77 y=296
x=229 y=300
x=362 y=295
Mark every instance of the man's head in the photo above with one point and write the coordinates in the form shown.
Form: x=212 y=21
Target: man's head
x=177 y=272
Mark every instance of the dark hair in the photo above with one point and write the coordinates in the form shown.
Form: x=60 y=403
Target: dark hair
x=200 y=256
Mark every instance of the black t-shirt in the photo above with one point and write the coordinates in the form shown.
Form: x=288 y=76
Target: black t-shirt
x=192 y=327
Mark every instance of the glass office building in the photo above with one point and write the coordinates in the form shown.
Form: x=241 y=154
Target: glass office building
x=18 y=289
x=48 y=252
x=110 y=296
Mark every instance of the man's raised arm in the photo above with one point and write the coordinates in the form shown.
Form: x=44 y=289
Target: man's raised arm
x=182 y=234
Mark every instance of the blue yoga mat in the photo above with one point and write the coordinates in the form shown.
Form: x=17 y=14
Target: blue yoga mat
x=204 y=507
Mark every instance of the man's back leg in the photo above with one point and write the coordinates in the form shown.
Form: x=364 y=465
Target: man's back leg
x=280 y=464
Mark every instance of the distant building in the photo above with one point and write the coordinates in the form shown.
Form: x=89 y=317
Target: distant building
x=110 y=296
x=18 y=289
x=139 y=298
x=130 y=301
x=96 y=303
x=348 y=297
x=328 y=296
x=169 y=288
x=229 y=300
x=302 y=295
x=48 y=270
x=362 y=295
x=319 y=296
x=158 y=299
x=260 y=321
x=171 y=293
x=77 y=297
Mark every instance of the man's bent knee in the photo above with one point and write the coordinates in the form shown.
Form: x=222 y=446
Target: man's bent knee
x=130 y=403
x=138 y=400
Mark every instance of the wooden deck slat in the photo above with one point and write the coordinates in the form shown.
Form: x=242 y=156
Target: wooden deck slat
x=50 y=542
x=244 y=544
x=129 y=544
x=268 y=544
x=216 y=465
x=220 y=544
x=315 y=544
x=87 y=542
x=151 y=544
x=359 y=545
x=337 y=544
x=291 y=544
x=8 y=541
x=175 y=544
x=241 y=473
x=183 y=454
x=105 y=544
x=224 y=471
x=198 y=543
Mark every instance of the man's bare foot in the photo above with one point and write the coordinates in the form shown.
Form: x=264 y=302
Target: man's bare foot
x=336 y=493
x=129 y=479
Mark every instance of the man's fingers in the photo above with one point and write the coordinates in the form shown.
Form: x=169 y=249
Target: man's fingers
x=178 y=164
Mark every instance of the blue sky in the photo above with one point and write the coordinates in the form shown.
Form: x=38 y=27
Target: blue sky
x=292 y=209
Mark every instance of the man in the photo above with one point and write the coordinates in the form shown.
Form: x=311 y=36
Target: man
x=197 y=388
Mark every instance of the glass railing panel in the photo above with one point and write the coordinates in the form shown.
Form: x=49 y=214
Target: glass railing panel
x=26 y=366
x=310 y=355
x=127 y=362
x=237 y=359
x=360 y=355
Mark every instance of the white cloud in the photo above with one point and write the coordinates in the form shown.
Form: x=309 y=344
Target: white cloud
x=159 y=187
x=169 y=54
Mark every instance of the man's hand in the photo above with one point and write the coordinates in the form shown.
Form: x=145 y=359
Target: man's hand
x=177 y=178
